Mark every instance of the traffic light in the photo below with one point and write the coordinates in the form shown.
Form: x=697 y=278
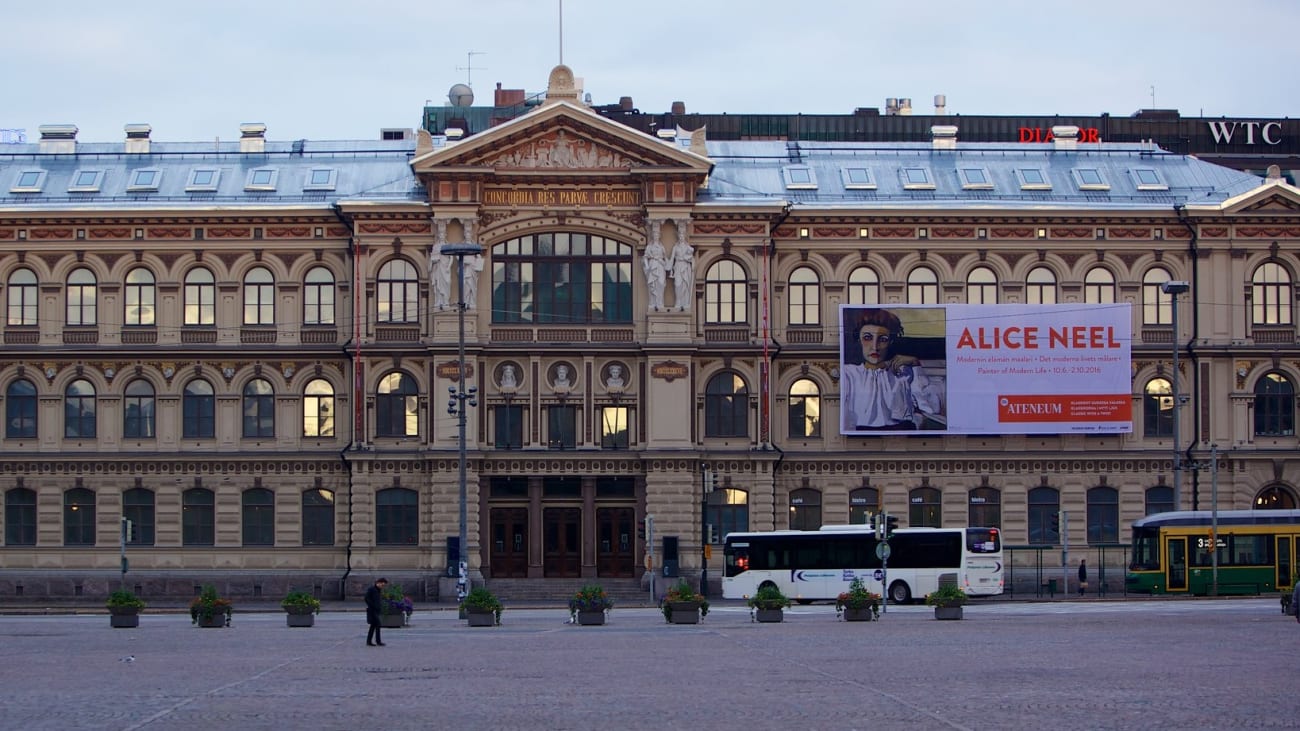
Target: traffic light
x=710 y=481
x=891 y=525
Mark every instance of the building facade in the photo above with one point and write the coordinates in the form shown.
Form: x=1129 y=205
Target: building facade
x=246 y=349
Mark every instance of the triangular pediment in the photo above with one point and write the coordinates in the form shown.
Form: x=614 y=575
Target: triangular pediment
x=562 y=137
x=1273 y=197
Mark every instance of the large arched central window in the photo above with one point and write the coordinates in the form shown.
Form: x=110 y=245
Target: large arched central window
x=561 y=278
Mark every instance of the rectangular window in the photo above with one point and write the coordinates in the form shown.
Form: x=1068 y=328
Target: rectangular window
x=917 y=178
x=509 y=427
x=1090 y=179
x=144 y=180
x=261 y=179
x=562 y=427
x=86 y=181
x=857 y=179
x=614 y=427
x=1033 y=179
x=1149 y=179
x=975 y=179
x=28 y=181
x=798 y=177
x=321 y=179
x=203 y=180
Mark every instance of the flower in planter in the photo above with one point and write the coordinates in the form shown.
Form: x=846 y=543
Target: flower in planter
x=682 y=592
x=947 y=595
x=208 y=605
x=590 y=598
x=479 y=599
x=395 y=601
x=858 y=598
x=300 y=602
x=768 y=596
x=124 y=601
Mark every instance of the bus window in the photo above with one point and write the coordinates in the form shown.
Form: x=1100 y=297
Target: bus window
x=983 y=540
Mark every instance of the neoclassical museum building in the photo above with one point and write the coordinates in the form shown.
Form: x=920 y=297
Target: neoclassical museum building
x=248 y=349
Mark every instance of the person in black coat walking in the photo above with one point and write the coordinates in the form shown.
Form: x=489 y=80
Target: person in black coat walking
x=1083 y=576
x=374 y=595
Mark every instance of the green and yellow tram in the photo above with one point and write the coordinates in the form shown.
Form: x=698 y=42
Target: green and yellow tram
x=1257 y=552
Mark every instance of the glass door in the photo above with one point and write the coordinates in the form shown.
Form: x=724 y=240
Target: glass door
x=1176 y=564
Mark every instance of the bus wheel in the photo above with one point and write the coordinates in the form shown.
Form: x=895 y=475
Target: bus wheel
x=899 y=593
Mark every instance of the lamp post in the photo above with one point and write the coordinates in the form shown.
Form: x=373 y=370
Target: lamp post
x=1174 y=288
x=706 y=487
x=459 y=395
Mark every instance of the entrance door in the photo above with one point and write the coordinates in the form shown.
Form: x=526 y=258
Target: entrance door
x=509 y=543
x=1176 y=564
x=562 y=544
x=614 y=553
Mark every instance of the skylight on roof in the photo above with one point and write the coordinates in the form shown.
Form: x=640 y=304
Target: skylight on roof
x=28 y=181
x=917 y=178
x=261 y=179
x=1148 y=179
x=321 y=179
x=1090 y=179
x=203 y=179
x=857 y=178
x=975 y=178
x=144 y=180
x=1033 y=179
x=799 y=177
x=86 y=181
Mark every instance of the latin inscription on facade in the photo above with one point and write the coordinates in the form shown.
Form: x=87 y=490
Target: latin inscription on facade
x=561 y=197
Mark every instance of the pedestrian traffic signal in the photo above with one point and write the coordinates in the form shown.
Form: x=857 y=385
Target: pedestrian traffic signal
x=891 y=525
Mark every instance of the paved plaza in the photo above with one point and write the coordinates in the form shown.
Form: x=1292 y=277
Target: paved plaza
x=1182 y=664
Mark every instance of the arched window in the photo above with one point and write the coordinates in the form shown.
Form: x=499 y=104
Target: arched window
x=1040 y=286
x=259 y=517
x=78 y=517
x=728 y=512
x=398 y=295
x=318 y=409
x=1103 y=515
x=805 y=410
x=805 y=509
x=200 y=297
x=318 y=518
x=140 y=298
x=863 y=503
x=397 y=513
x=922 y=287
x=985 y=507
x=1157 y=307
x=79 y=410
x=864 y=287
x=1158 y=409
x=1274 y=406
x=20 y=410
x=138 y=507
x=259 y=409
x=1271 y=297
x=981 y=287
x=562 y=277
x=198 y=410
x=82 y=297
x=397 y=407
x=138 y=410
x=1159 y=499
x=22 y=298
x=726 y=406
x=1099 y=286
x=805 y=297
x=726 y=294
x=259 y=297
x=318 y=297
x=20 y=517
x=925 y=508
x=198 y=517
x=1044 y=503
x=1275 y=498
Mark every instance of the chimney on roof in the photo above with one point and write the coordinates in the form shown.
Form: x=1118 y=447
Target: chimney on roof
x=625 y=103
x=137 y=139
x=944 y=136
x=1065 y=137
x=679 y=107
x=252 y=137
x=940 y=105
x=891 y=106
x=58 y=139
x=905 y=107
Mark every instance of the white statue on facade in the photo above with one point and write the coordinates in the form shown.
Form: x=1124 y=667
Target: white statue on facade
x=473 y=265
x=440 y=277
x=655 y=264
x=614 y=381
x=561 y=377
x=683 y=261
x=508 y=380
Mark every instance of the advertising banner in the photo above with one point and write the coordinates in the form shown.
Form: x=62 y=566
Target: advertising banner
x=985 y=369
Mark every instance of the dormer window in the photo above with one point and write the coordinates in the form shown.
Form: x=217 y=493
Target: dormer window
x=1090 y=179
x=975 y=178
x=917 y=178
x=1148 y=179
x=28 y=181
x=321 y=179
x=857 y=178
x=203 y=180
x=261 y=179
x=1033 y=179
x=86 y=181
x=799 y=177
x=144 y=180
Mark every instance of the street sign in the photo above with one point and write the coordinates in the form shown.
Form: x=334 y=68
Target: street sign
x=878 y=575
x=882 y=551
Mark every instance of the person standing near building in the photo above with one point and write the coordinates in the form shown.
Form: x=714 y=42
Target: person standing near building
x=375 y=595
x=1083 y=576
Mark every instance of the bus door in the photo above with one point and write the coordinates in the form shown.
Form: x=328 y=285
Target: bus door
x=1176 y=564
x=1283 y=562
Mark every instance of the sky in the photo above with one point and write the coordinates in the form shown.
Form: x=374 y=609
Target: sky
x=343 y=69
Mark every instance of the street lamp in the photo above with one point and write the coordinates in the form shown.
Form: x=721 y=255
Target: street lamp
x=706 y=487
x=459 y=395
x=1173 y=288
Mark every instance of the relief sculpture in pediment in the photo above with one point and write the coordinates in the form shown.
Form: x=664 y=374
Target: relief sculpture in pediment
x=561 y=151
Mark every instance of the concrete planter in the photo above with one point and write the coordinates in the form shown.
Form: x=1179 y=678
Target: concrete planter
x=858 y=615
x=947 y=612
x=769 y=615
x=123 y=618
x=592 y=618
x=300 y=620
x=394 y=620
x=684 y=612
x=481 y=619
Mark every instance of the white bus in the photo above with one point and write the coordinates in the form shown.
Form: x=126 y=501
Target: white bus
x=813 y=565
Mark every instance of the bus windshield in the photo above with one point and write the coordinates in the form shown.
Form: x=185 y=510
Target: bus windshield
x=1146 y=549
x=983 y=540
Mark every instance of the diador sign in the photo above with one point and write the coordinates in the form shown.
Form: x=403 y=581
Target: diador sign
x=560 y=197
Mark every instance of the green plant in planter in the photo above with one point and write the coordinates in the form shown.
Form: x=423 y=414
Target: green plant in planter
x=768 y=596
x=682 y=592
x=590 y=598
x=208 y=605
x=479 y=599
x=857 y=598
x=123 y=601
x=947 y=595
x=300 y=602
x=393 y=600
